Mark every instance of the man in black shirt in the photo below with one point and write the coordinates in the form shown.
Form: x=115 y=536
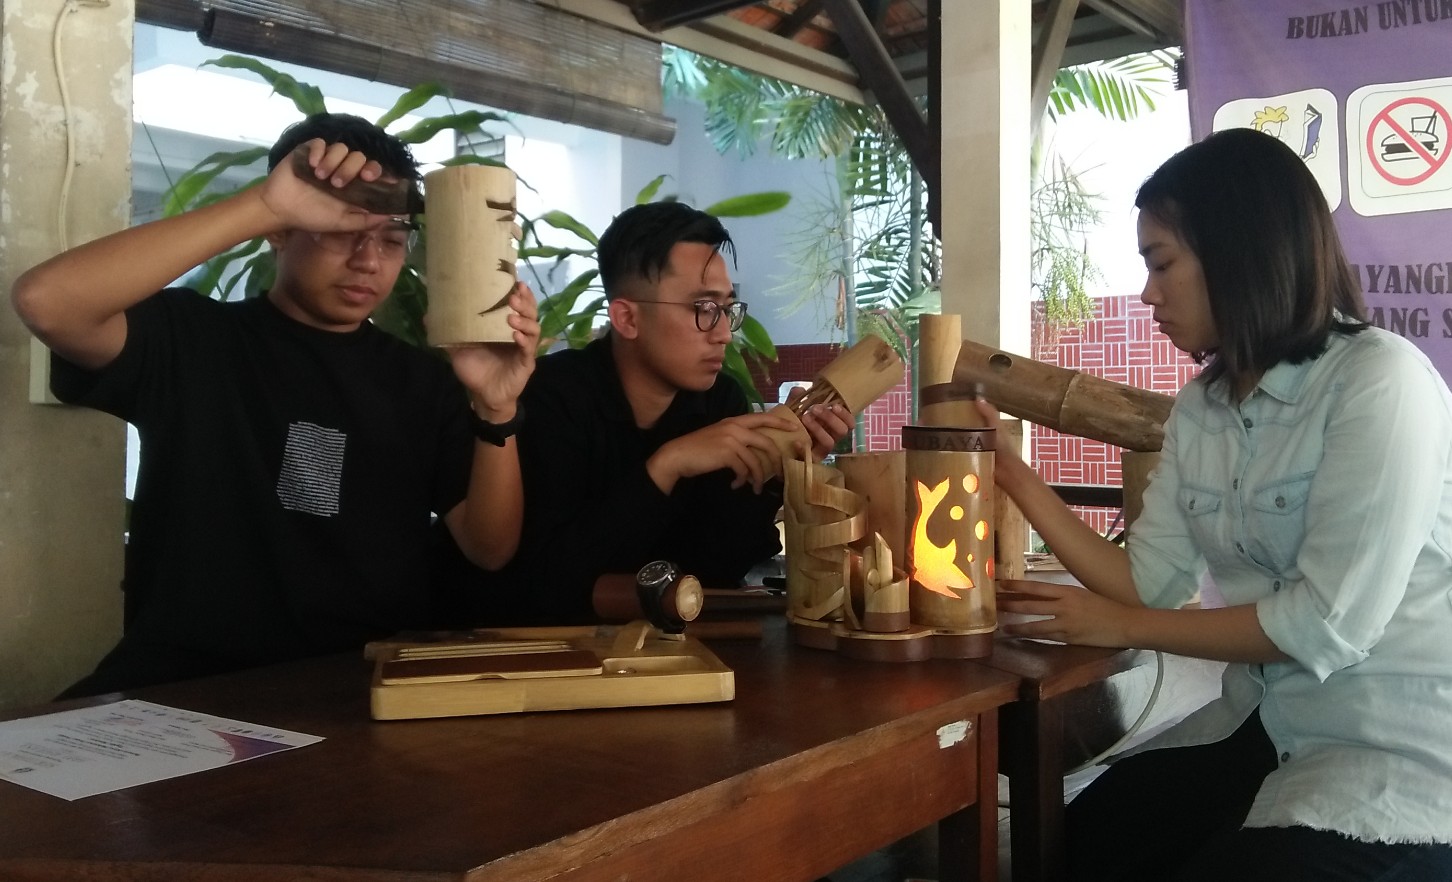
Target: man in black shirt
x=637 y=448
x=291 y=453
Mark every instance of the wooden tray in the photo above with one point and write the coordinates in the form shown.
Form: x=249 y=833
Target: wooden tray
x=515 y=670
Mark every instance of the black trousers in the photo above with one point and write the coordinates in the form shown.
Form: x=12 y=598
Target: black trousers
x=1176 y=814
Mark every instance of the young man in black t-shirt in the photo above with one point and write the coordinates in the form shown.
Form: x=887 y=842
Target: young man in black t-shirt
x=638 y=447
x=292 y=453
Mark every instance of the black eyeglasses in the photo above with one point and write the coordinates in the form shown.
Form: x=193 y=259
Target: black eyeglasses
x=708 y=312
x=394 y=238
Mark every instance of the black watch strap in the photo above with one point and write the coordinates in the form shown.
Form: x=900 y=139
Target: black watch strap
x=498 y=433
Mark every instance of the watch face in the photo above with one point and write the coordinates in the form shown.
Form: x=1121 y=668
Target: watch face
x=656 y=572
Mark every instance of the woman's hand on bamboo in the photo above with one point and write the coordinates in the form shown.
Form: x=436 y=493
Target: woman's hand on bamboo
x=1008 y=466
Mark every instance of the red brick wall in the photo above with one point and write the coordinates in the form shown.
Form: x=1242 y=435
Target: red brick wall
x=1120 y=344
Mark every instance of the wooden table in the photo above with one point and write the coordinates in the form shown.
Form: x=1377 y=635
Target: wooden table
x=818 y=761
x=1031 y=745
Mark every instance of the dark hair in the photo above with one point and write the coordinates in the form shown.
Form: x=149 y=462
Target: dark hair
x=356 y=132
x=1255 y=217
x=638 y=243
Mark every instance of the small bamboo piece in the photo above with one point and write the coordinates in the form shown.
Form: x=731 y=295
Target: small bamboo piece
x=884 y=590
x=471 y=254
x=854 y=379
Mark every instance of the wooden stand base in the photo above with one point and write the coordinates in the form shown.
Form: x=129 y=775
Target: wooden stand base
x=915 y=644
x=515 y=670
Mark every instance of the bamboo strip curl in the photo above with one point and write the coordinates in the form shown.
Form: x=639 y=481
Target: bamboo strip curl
x=822 y=517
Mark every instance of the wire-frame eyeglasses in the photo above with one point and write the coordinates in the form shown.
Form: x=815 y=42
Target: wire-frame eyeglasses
x=708 y=312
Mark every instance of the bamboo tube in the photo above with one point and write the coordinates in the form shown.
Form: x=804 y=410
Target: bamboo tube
x=1066 y=401
x=1010 y=527
x=940 y=337
x=879 y=478
x=471 y=254
x=1135 y=469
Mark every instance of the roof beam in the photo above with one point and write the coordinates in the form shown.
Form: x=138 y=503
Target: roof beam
x=934 y=78
x=657 y=15
x=881 y=77
x=876 y=11
x=804 y=13
x=740 y=44
x=1157 y=20
x=1048 y=55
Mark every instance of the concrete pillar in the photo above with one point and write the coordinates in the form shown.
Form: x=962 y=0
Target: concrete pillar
x=62 y=470
x=986 y=91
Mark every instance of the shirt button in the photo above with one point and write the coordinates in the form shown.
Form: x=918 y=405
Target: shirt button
x=1285 y=757
x=1280 y=502
x=1248 y=422
x=1240 y=548
x=1235 y=485
x=1276 y=586
x=1192 y=505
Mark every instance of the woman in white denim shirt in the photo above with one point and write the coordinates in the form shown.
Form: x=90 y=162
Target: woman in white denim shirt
x=1309 y=468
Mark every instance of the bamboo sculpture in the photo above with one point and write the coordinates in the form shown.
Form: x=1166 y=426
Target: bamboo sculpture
x=471 y=254
x=950 y=543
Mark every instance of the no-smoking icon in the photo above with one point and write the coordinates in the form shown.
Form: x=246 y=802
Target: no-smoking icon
x=1406 y=141
x=1397 y=147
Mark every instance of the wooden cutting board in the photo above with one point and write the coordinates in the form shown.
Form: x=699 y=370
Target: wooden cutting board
x=515 y=670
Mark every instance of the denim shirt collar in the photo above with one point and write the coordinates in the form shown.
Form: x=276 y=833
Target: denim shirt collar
x=1284 y=382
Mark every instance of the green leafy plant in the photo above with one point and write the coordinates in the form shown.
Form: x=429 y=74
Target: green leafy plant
x=1061 y=269
x=250 y=268
x=871 y=236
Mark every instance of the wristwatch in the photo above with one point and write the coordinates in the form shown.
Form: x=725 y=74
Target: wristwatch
x=668 y=597
x=498 y=433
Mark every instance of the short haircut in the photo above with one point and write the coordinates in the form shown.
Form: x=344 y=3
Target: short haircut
x=638 y=243
x=1255 y=217
x=356 y=132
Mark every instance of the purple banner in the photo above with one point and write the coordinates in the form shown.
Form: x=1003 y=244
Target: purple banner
x=1363 y=94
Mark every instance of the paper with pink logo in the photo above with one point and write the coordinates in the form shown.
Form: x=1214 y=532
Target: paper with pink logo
x=84 y=752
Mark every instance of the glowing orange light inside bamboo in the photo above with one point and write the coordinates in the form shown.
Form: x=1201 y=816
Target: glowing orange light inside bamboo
x=935 y=567
x=970 y=483
x=980 y=530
